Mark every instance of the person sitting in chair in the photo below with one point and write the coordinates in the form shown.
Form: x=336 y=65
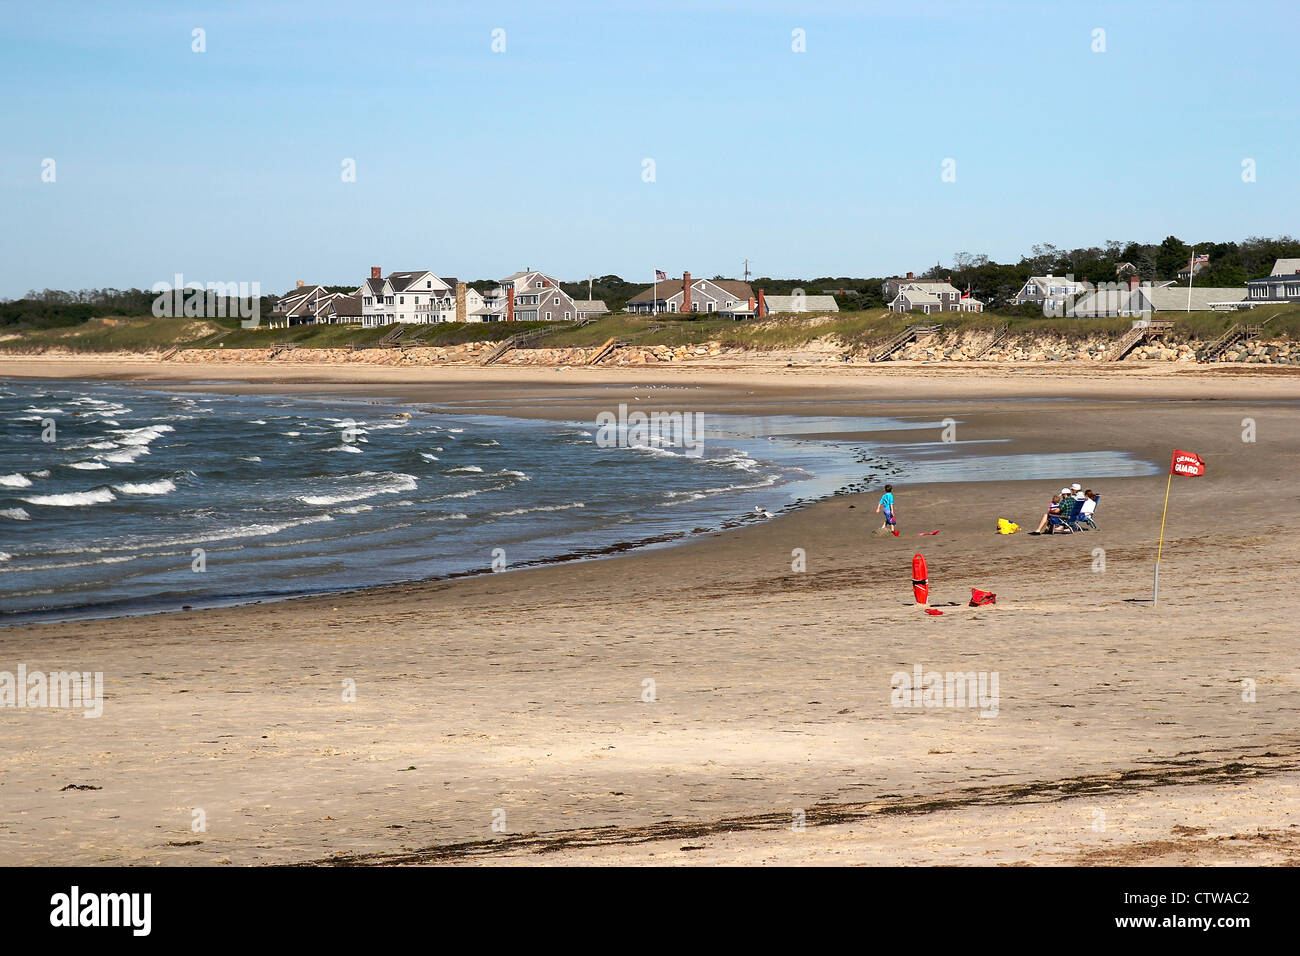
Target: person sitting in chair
x=1053 y=509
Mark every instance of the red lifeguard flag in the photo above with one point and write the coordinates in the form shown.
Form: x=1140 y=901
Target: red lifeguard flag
x=1186 y=463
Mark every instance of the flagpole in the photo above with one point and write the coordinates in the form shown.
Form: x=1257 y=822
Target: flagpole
x=654 y=296
x=1155 y=595
x=1191 y=271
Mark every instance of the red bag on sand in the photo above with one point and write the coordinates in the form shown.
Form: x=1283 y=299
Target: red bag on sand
x=978 y=597
x=930 y=610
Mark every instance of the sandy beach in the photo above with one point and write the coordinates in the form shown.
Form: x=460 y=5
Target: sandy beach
x=506 y=719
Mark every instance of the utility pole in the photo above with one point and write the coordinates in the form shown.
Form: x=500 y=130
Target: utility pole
x=589 y=277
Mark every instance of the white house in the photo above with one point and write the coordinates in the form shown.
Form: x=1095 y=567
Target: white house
x=1049 y=291
x=410 y=297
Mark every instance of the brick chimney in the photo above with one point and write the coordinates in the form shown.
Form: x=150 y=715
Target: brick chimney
x=762 y=303
x=510 y=305
x=686 y=292
x=376 y=272
x=1133 y=282
x=460 y=302
x=299 y=284
x=910 y=276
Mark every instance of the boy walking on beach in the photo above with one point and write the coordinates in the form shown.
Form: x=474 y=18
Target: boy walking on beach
x=886 y=507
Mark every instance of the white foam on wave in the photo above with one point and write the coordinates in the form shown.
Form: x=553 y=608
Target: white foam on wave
x=464 y=470
x=427 y=457
x=253 y=458
x=88 y=465
x=352 y=449
x=73 y=499
x=511 y=473
x=126 y=455
x=162 y=487
x=739 y=461
x=680 y=497
x=657 y=452
x=15 y=480
x=524 y=511
x=15 y=514
x=142 y=436
x=374 y=483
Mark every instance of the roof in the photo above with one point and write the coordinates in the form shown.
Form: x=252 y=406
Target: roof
x=345 y=304
x=1286 y=267
x=1174 y=298
x=917 y=296
x=1055 y=280
x=671 y=287
x=930 y=286
x=401 y=281
x=811 y=303
x=590 y=305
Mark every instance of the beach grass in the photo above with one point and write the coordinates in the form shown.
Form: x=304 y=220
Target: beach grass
x=851 y=330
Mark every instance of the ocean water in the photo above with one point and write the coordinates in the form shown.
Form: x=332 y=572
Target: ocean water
x=148 y=499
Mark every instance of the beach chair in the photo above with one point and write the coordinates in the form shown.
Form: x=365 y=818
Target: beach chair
x=1090 y=521
x=1068 y=519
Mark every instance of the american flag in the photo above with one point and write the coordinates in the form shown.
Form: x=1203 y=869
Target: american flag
x=1202 y=260
x=661 y=276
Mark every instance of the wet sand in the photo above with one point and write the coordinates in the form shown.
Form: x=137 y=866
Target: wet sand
x=525 y=692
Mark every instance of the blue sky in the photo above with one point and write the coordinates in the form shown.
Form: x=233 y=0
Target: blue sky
x=226 y=165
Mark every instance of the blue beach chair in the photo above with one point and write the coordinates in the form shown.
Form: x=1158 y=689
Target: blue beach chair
x=1068 y=519
x=1090 y=521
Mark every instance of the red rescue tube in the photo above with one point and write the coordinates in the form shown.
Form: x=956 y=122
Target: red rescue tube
x=920 y=579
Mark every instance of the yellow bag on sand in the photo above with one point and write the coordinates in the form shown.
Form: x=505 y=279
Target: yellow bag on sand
x=1007 y=527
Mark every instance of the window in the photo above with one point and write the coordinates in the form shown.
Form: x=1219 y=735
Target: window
x=567 y=316
x=548 y=316
x=401 y=300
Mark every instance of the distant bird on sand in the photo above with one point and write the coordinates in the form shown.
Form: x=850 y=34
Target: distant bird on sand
x=762 y=511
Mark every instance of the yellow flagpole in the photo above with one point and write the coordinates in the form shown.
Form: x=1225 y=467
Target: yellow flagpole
x=1155 y=596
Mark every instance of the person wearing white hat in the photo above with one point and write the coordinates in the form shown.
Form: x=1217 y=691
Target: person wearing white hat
x=1077 y=490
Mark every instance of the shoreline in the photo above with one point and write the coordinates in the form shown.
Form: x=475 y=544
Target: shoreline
x=525 y=692
x=163 y=605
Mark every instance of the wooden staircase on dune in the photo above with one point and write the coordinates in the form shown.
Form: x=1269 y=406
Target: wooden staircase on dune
x=1136 y=336
x=1237 y=333
x=1000 y=335
x=514 y=342
x=908 y=335
x=200 y=344
x=604 y=352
